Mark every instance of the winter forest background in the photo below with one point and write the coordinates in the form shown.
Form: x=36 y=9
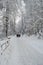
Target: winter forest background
x=25 y=16
x=21 y=18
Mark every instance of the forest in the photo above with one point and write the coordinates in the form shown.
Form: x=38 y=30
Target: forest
x=21 y=17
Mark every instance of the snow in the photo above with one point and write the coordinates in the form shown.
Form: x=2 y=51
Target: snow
x=22 y=51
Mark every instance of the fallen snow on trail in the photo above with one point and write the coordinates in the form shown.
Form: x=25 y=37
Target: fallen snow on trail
x=22 y=51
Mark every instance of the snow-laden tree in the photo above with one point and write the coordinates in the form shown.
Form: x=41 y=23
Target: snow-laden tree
x=14 y=9
x=27 y=13
x=34 y=15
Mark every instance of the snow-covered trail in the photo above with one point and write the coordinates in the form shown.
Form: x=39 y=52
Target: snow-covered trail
x=31 y=51
x=23 y=51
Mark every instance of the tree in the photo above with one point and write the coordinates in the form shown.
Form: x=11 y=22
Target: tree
x=6 y=18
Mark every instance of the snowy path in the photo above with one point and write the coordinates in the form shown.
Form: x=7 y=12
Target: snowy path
x=23 y=51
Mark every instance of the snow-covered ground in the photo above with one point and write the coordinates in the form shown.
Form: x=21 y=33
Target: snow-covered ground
x=22 y=51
